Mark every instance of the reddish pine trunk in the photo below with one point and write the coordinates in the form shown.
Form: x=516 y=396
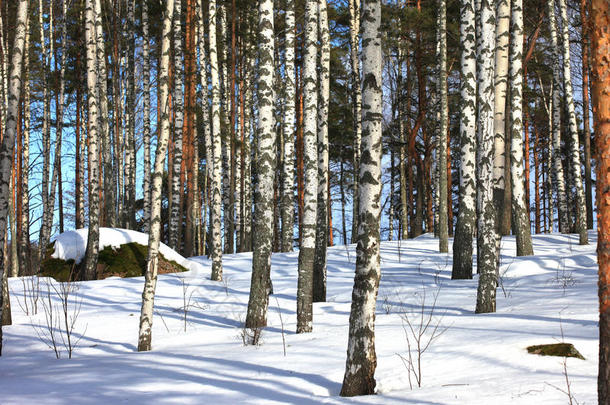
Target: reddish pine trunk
x=600 y=67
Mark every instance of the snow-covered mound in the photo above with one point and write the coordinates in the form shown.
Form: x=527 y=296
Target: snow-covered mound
x=73 y=245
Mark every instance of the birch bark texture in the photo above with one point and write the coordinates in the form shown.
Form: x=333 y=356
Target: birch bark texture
x=322 y=230
x=154 y=238
x=146 y=118
x=487 y=235
x=8 y=141
x=562 y=205
x=289 y=132
x=310 y=162
x=521 y=217
x=260 y=285
x=89 y=271
x=354 y=35
x=443 y=229
x=359 y=378
x=216 y=161
x=467 y=213
x=581 y=207
x=178 y=100
x=600 y=49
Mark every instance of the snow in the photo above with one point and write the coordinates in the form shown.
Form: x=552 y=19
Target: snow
x=479 y=359
x=73 y=245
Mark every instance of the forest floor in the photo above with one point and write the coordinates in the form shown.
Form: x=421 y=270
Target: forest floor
x=198 y=354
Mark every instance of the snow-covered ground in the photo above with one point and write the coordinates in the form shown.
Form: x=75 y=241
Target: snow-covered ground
x=479 y=359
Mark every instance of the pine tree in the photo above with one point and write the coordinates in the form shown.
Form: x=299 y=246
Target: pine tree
x=152 y=262
x=600 y=69
x=359 y=378
x=466 y=222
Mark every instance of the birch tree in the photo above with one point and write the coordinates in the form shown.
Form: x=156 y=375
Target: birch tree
x=500 y=83
x=89 y=272
x=146 y=118
x=354 y=35
x=178 y=99
x=152 y=261
x=216 y=161
x=308 y=237
x=562 y=205
x=8 y=141
x=260 y=285
x=24 y=242
x=521 y=215
x=289 y=132
x=464 y=231
x=581 y=207
x=487 y=258
x=443 y=231
x=319 y=271
x=359 y=378
x=130 y=149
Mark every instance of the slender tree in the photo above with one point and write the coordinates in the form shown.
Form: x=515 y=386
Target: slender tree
x=216 y=160
x=310 y=157
x=443 y=229
x=581 y=207
x=359 y=378
x=487 y=258
x=319 y=269
x=354 y=35
x=289 y=133
x=600 y=69
x=466 y=222
x=8 y=143
x=146 y=113
x=260 y=286
x=152 y=262
x=521 y=215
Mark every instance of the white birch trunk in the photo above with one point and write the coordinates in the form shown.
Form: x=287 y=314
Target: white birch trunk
x=581 y=210
x=260 y=285
x=150 y=277
x=354 y=33
x=487 y=236
x=319 y=271
x=310 y=162
x=359 y=378
x=216 y=161
x=443 y=226
x=146 y=118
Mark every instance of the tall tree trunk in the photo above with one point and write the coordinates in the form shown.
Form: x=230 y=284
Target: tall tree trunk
x=487 y=258
x=146 y=117
x=175 y=220
x=500 y=84
x=585 y=108
x=130 y=150
x=562 y=206
x=260 y=285
x=581 y=208
x=289 y=133
x=7 y=147
x=89 y=272
x=24 y=242
x=319 y=268
x=152 y=262
x=216 y=161
x=359 y=378
x=443 y=230
x=464 y=231
x=600 y=69
x=354 y=34
x=308 y=238
x=521 y=216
